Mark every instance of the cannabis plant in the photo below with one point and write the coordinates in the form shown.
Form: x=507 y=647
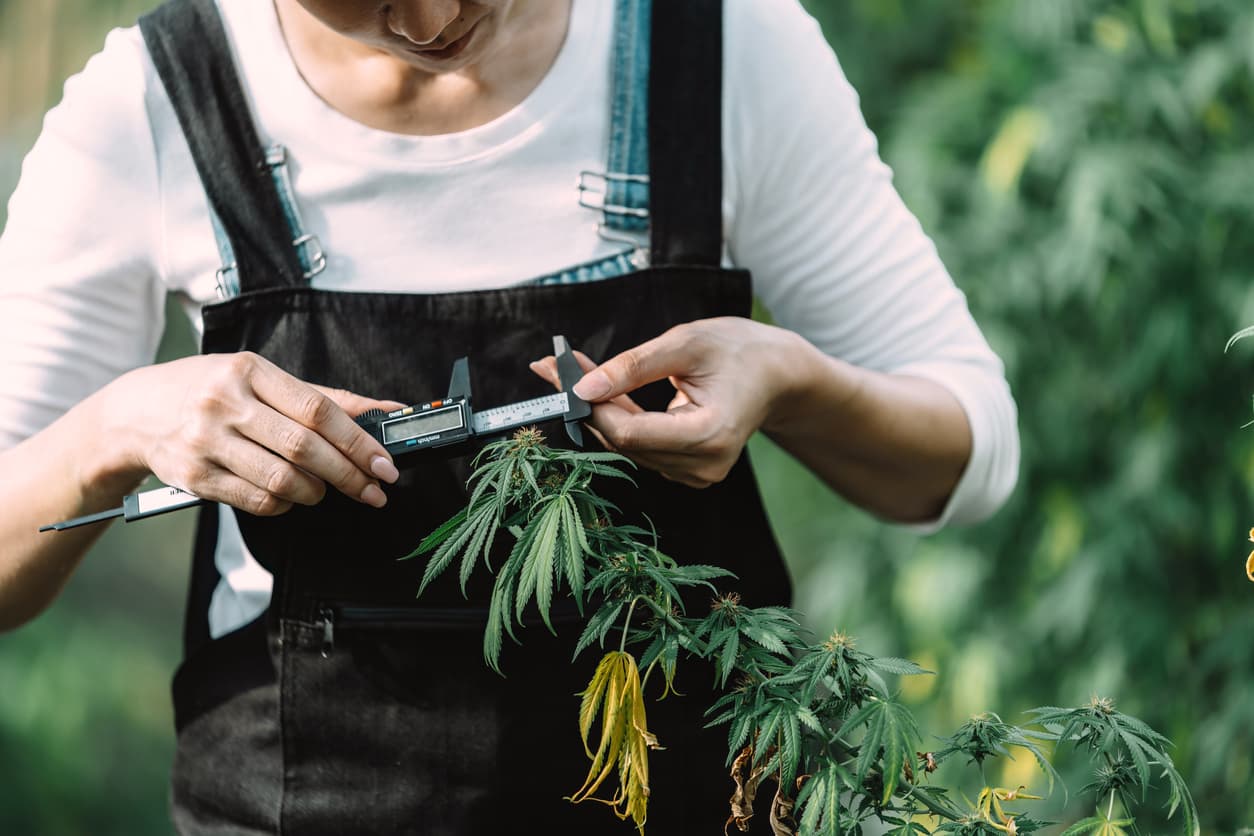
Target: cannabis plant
x=812 y=726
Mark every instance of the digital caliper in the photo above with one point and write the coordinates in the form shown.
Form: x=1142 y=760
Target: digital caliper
x=439 y=423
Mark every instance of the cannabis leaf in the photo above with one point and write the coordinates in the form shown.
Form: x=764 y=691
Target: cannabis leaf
x=819 y=801
x=890 y=729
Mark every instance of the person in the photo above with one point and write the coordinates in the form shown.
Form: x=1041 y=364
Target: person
x=346 y=195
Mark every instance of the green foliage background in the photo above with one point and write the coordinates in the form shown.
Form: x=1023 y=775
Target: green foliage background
x=1086 y=168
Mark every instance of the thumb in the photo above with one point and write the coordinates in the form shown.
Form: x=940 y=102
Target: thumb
x=628 y=371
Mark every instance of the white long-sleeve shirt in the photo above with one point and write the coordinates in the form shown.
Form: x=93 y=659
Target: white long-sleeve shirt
x=109 y=216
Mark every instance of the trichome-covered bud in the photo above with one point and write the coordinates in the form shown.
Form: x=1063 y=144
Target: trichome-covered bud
x=526 y=438
x=839 y=641
x=1102 y=705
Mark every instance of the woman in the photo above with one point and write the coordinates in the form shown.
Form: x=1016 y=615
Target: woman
x=352 y=194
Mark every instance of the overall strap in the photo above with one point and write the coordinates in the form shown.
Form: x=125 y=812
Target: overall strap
x=663 y=170
x=685 y=132
x=190 y=50
x=621 y=193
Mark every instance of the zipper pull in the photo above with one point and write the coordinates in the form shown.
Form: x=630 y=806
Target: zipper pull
x=328 y=631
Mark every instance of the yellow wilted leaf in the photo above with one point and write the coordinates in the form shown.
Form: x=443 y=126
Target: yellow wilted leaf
x=616 y=695
x=591 y=703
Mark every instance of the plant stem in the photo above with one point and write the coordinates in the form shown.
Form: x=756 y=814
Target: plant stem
x=1127 y=808
x=644 y=680
x=1110 y=808
x=1127 y=811
x=622 y=645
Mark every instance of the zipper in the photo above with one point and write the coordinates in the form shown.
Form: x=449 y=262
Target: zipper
x=326 y=617
x=333 y=616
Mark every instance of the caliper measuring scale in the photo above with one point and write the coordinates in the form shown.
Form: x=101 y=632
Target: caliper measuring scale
x=444 y=422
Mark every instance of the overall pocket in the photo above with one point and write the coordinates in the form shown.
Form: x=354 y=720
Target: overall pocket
x=390 y=722
x=408 y=653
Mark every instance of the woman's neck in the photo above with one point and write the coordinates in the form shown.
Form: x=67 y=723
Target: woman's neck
x=385 y=92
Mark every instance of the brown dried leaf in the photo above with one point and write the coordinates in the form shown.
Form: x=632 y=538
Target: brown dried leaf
x=782 y=823
x=747 y=778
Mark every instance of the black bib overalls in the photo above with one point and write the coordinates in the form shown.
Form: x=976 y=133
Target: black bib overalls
x=350 y=706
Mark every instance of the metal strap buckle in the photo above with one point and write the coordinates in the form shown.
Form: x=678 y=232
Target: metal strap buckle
x=310 y=252
x=227 y=287
x=308 y=247
x=597 y=183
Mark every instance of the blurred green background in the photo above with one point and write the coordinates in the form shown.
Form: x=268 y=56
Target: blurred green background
x=1086 y=168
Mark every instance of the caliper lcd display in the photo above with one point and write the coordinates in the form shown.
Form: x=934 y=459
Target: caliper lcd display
x=423 y=424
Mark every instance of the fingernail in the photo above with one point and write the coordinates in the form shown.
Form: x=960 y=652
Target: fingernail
x=373 y=495
x=384 y=469
x=593 y=386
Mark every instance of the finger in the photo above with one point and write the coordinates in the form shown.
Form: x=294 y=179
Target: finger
x=624 y=403
x=682 y=430
x=683 y=467
x=320 y=413
x=217 y=484
x=310 y=451
x=685 y=479
x=546 y=368
x=691 y=471
x=585 y=362
x=356 y=405
x=268 y=472
x=687 y=443
x=549 y=365
x=661 y=357
x=604 y=442
x=681 y=398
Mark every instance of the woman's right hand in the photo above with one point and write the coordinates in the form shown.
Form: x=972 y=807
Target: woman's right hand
x=236 y=428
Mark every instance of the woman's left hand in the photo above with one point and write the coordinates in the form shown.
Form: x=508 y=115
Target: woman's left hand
x=730 y=374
